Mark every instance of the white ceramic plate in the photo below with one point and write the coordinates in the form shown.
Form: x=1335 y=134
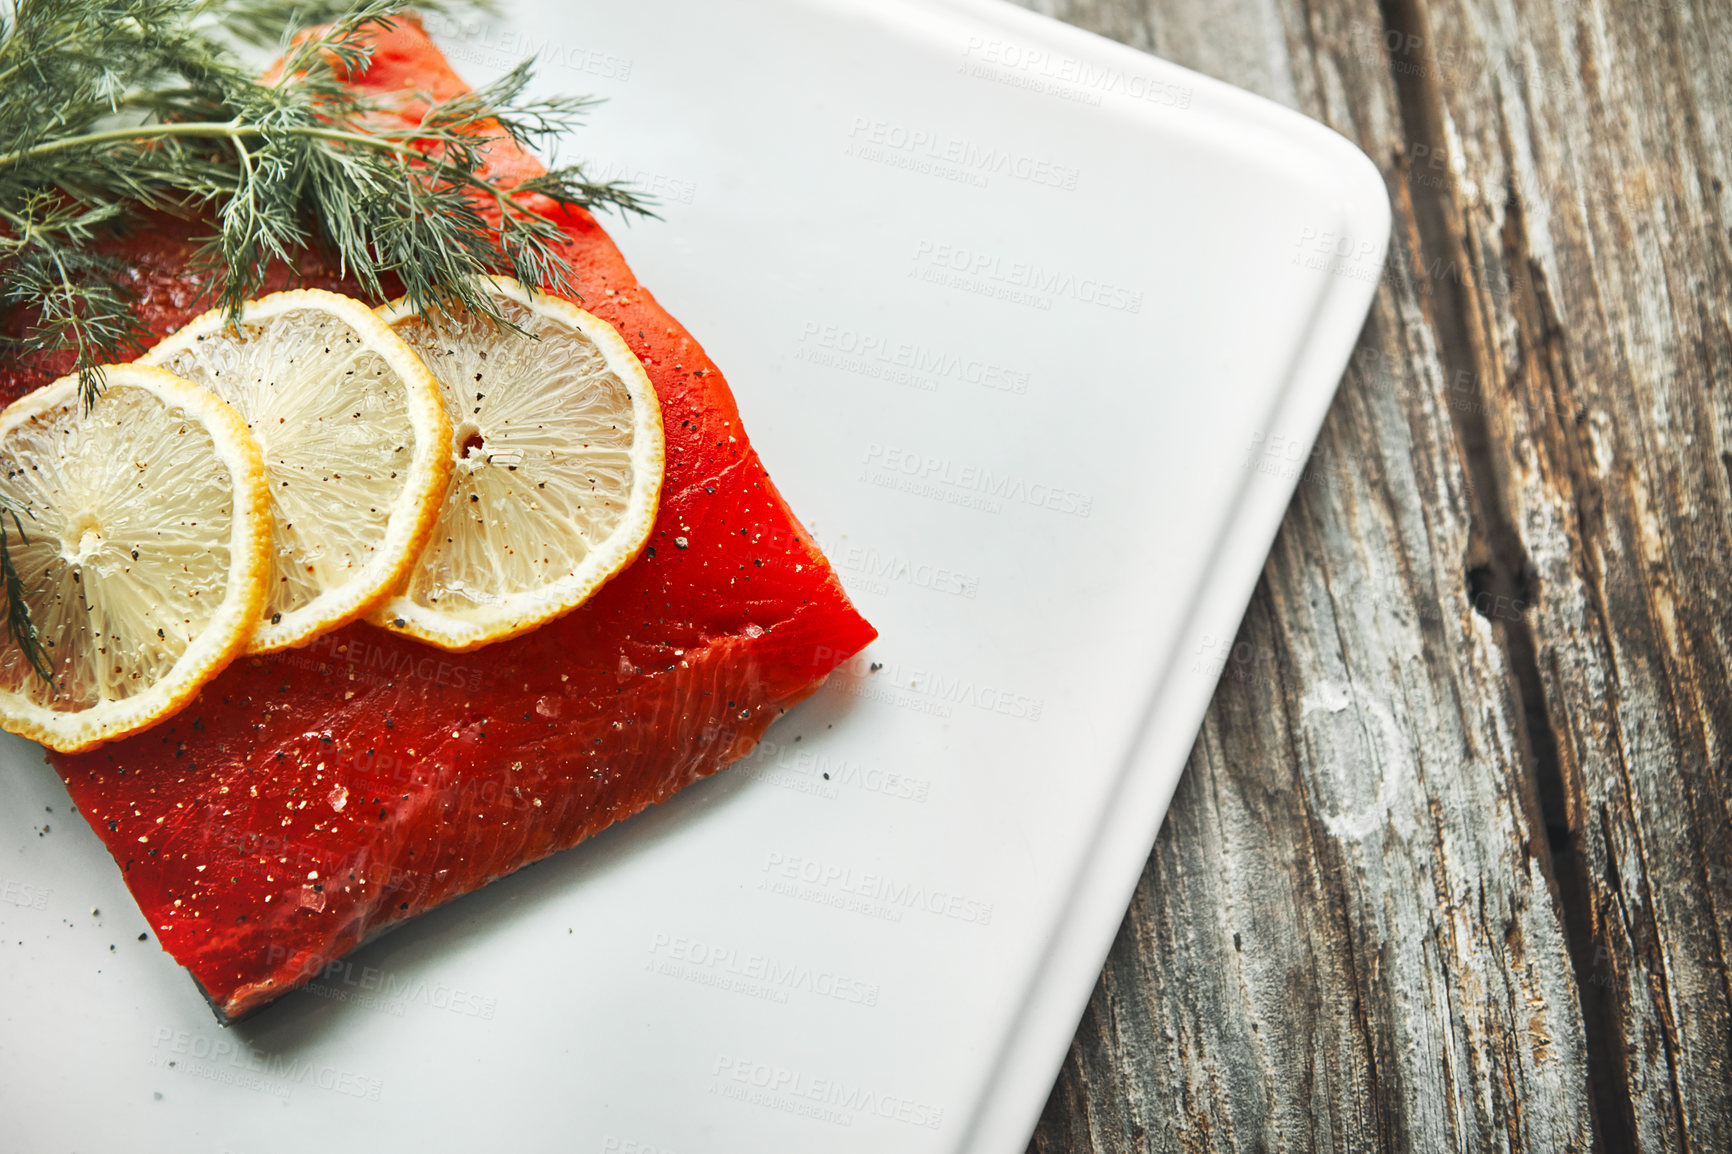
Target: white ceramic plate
x=1035 y=332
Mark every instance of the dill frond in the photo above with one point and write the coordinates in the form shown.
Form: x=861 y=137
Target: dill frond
x=19 y=626
x=110 y=107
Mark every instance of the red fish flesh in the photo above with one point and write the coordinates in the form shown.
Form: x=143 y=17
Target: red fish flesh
x=309 y=800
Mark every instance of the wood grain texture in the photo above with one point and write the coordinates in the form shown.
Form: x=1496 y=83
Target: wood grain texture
x=1451 y=865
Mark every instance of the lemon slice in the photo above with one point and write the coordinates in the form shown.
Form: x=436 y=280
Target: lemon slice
x=558 y=447
x=354 y=440
x=145 y=555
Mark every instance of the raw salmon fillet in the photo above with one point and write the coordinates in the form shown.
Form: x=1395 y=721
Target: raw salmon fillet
x=309 y=800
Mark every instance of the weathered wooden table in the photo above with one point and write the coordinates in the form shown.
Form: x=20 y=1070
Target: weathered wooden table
x=1451 y=865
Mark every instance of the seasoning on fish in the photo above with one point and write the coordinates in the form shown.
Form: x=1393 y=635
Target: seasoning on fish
x=311 y=799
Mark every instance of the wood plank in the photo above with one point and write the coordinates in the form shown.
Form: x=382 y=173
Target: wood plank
x=1583 y=161
x=1349 y=935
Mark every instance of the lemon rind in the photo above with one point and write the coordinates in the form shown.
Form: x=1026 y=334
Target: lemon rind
x=410 y=522
x=225 y=636
x=525 y=612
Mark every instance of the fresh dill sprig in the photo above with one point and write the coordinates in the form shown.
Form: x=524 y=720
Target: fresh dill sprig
x=19 y=626
x=111 y=106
